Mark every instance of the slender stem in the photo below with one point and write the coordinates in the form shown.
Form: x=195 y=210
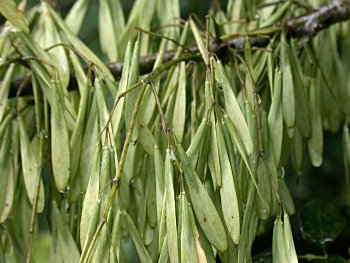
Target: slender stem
x=160 y=111
x=122 y=160
x=165 y=37
x=148 y=79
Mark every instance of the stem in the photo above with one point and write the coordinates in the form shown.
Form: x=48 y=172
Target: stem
x=121 y=165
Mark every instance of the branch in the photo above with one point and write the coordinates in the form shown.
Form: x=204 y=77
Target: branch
x=303 y=28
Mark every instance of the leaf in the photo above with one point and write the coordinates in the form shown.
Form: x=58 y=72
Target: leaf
x=321 y=222
x=207 y=216
x=9 y=10
x=232 y=108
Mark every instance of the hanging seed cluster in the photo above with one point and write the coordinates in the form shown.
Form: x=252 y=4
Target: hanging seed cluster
x=184 y=164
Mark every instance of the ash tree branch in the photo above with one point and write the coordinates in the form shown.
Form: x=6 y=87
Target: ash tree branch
x=303 y=28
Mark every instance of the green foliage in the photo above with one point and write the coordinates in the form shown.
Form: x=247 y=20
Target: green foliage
x=321 y=222
x=181 y=152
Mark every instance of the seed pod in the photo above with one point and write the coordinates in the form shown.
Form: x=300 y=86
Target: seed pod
x=151 y=196
x=4 y=91
x=228 y=192
x=233 y=110
x=58 y=54
x=102 y=245
x=31 y=171
x=162 y=225
x=159 y=173
x=297 y=151
x=116 y=233
x=141 y=250
x=78 y=44
x=148 y=103
x=288 y=97
x=5 y=166
x=214 y=162
x=207 y=215
x=286 y=198
x=77 y=138
x=204 y=249
x=302 y=111
x=146 y=139
x=271 y=69
x=276 y=16
x=134 y=74
x=188 y=248
x=60 y=150
x=107 y=33
x=123 y=84
x=179 y=115
x=277 y=243
x=315 y=143
x=199 y=41
x=275 y=118
x=164 y=253
x=14 y=167
x=65 y=242
x=91 y=198
x=248 y=222
x=76 y=14
x=291 y=254
x=101 y=102
x=171 y=225
x=196 y=142
x=89 y=144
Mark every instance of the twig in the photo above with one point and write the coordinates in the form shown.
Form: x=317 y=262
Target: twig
x=303 y=28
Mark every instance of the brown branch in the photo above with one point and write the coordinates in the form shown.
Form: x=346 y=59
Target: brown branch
x=303 y=28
